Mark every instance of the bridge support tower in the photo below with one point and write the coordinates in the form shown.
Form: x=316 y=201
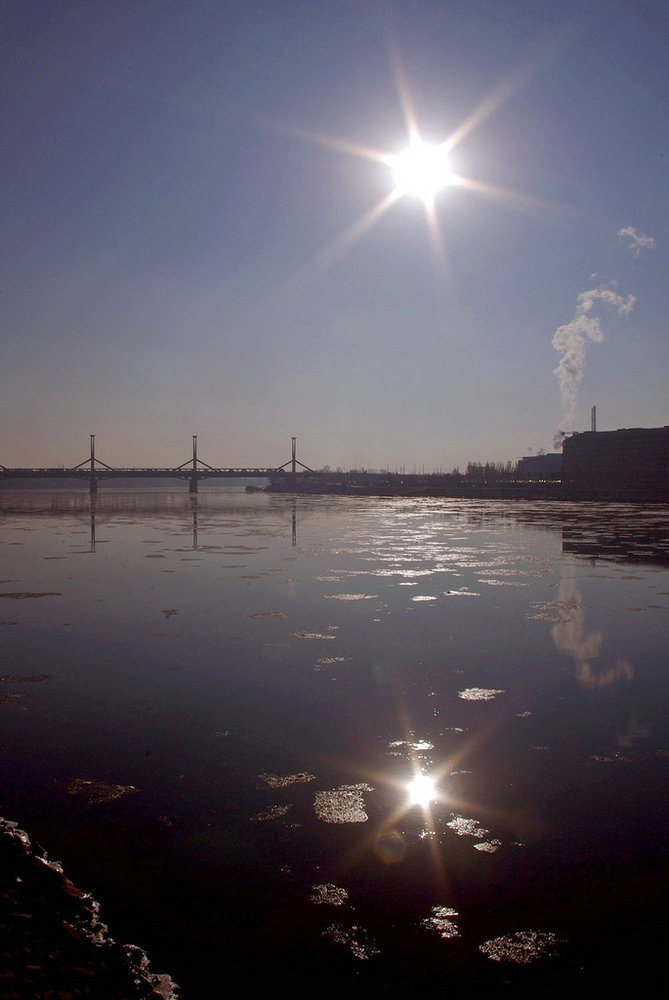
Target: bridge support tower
x=92 y=481
x=193 y=478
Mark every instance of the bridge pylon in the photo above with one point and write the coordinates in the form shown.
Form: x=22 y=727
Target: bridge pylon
x=91 y=461
x=292 y=461
x=195 y=464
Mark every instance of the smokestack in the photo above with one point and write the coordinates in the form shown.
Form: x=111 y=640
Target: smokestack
x=593 y=419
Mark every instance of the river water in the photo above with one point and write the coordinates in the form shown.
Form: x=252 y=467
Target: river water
x=213 y=710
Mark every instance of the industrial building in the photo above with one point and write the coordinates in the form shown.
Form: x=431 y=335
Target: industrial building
x=541 y=468
x=626 y=464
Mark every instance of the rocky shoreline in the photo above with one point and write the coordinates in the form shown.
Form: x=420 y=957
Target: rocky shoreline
x=53 y=944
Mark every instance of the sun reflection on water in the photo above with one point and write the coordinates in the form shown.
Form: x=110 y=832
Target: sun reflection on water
x=422 y=790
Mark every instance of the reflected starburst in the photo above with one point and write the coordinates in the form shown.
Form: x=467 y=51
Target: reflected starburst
x=422 y=802
x=423 y=793
x=422 y=790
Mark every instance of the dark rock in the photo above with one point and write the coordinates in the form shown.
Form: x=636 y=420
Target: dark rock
x=53 y=944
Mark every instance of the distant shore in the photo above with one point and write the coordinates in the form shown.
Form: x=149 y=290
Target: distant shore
x=423 y=487
x=364 y=484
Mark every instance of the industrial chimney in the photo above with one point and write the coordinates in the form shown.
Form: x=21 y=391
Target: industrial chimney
x=593 y=419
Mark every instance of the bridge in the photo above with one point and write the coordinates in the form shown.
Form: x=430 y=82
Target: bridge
x=193 y=470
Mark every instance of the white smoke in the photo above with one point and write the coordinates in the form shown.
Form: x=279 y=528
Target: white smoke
x=571 y=341
x=636 y=241
x=558 y=440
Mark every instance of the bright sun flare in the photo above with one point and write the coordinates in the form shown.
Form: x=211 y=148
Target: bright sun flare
x=422 y=790
x=422 y=170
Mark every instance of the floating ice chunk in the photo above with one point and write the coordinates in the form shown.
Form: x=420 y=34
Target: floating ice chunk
x=330 y=894
x=442 y=921
x=342 y=805
x=488 y=846
x=522 y=947
x=356 y=939
x=284 y=780
x=479 y=694
x=350 y=597
x=467 y=827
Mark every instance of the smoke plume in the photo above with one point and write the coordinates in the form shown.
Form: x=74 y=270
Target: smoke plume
x=636 y=241
x=571 y=340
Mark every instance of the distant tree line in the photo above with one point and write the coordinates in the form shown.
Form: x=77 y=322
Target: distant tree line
x=491 y=472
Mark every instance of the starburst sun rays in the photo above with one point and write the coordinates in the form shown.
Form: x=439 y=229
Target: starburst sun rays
x=422 y=170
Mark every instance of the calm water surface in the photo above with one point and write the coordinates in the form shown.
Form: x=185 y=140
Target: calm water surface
x=212 y=710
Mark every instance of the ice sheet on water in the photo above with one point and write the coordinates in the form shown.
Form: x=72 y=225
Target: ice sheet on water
x=479 y=694
x=488 y=846
x=443 y=922
x=467 y=827
x=342 y=805
x=97 y=792
x=521 y=948
x=312 y=635
x=330 y=894
x=284 y=780
x=355 y=938
x=350 y=597
x=274 y=812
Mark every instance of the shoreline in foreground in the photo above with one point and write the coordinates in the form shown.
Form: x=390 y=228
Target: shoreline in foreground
x=53 y=940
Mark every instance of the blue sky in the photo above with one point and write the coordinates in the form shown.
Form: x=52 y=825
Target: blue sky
x=179 y=183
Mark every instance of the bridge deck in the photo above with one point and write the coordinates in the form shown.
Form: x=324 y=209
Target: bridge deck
x=146 y=473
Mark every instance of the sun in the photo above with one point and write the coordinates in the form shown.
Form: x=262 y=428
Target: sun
x=422 y=790
x=421 y=170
